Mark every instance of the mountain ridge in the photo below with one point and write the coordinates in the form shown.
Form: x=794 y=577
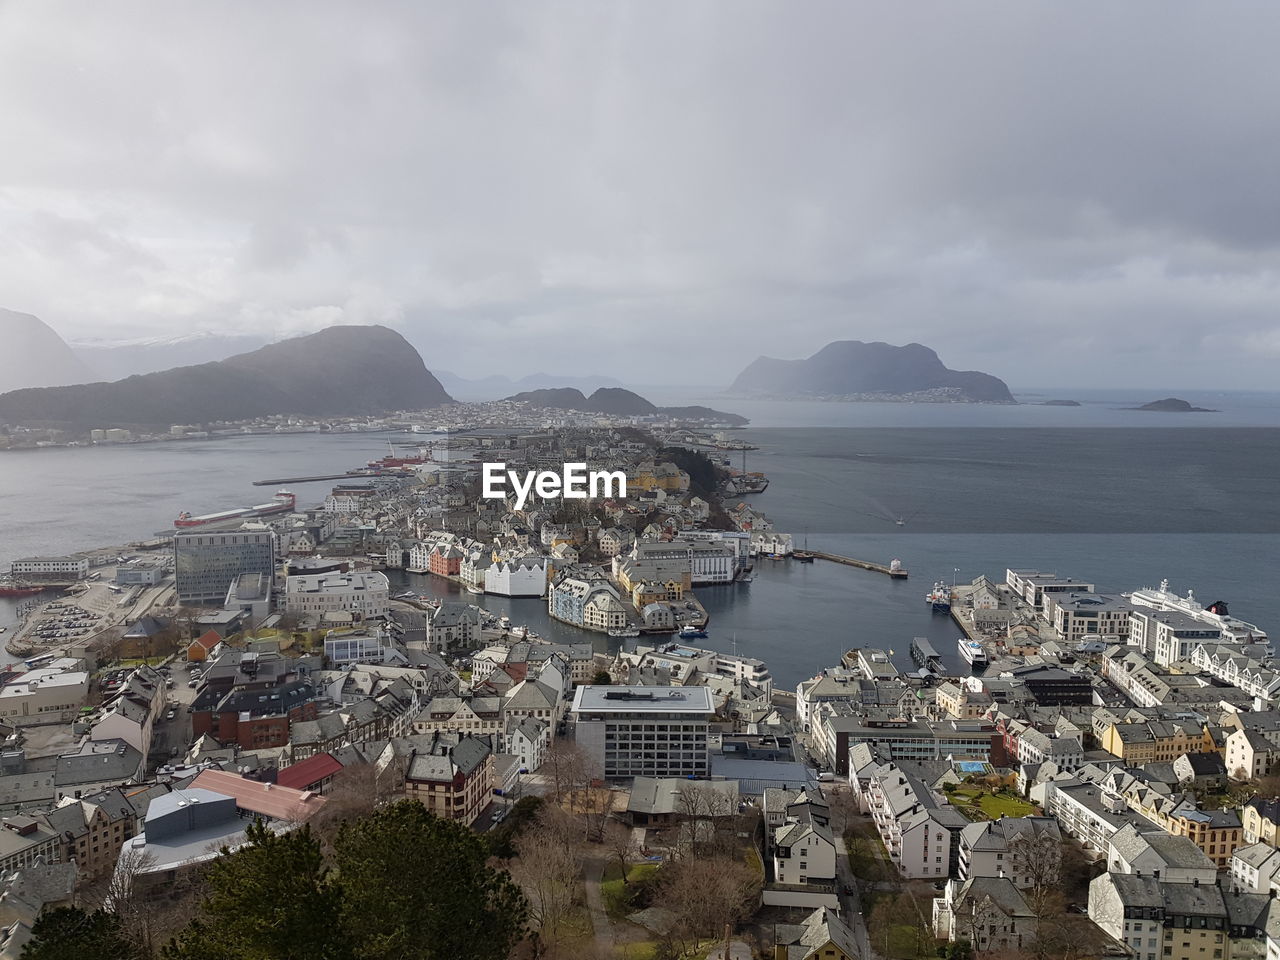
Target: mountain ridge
x=34 y=355
x=338 y=371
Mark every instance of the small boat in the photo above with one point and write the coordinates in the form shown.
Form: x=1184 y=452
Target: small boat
x=746 y=579
x=625 y=632
x=692 y=633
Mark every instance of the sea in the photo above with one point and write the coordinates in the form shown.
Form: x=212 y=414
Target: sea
x=1099 y=491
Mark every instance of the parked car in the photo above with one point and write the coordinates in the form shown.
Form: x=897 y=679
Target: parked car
x=171 y=714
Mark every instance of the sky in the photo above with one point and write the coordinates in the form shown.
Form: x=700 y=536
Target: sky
x=1059 y=194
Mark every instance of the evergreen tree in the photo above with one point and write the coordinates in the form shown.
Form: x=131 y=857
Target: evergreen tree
x=71 y=932
x=272 y=898
x=418 y=887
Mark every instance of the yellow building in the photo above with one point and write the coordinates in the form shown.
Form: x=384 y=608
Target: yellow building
x=1157 y=741
x=1260 y=820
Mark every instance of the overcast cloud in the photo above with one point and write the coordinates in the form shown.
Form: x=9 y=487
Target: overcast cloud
x=1058 y=193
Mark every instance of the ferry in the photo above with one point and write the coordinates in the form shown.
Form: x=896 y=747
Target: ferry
x=692 y=633
x=282 y=502
x=939 y=598
x=973 y=652
x=626 y=632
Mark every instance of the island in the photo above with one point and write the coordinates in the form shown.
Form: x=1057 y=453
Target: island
x=851 y=370
x=1172 y=405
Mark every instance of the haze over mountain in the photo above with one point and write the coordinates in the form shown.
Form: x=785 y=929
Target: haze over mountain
x=117 y=359
x=33 y=355
x=340 y=371
x=854 y=369
x=616 y=401
x=496 y=386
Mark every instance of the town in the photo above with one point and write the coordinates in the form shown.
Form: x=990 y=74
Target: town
x=1099 y=780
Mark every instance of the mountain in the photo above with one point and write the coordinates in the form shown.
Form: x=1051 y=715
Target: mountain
x=1173 y=405
x=32 y=355
x=494 y=387
x=617 y=402
x=340 y=371
x=858 y=370
x=117 y=359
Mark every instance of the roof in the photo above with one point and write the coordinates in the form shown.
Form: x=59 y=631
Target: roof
x=609 y=699
x=209 y=639
x=666 y=795
x=265 y=799
x=299 y=776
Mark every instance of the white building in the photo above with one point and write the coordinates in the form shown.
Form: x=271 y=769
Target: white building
x=804 y=852
x=45 y=696
x=526 y=739
x=363 y=593
x=70 y=568
x=345 y=646
x=522 y=577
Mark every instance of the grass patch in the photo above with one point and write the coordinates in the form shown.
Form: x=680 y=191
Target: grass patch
x=978 y=803
x=617 y=895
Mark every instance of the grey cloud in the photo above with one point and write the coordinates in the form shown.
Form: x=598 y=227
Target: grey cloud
x=563 y=185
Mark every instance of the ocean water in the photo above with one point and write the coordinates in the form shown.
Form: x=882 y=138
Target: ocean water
x=1127 y=501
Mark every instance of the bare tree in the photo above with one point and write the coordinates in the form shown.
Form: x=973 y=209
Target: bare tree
x=547 y=869
x=621 y=844
x=356 y=791
x=709 y=894
x=569 y=770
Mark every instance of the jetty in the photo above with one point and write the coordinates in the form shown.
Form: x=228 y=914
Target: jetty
x=351 y=475
x=893 y=571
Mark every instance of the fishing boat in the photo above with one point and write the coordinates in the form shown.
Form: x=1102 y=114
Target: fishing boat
x=939 y=598
x=692 y=633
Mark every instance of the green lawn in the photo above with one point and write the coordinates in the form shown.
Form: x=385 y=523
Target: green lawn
x=616 y=894
x=989 y=806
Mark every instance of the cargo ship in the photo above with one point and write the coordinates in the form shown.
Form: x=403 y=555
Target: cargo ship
x=282 y=502
x=939 y=598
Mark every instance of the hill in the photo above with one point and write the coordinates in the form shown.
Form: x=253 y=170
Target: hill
x=34 y=355
x=340 y=371
x=496 y=386
x=117 y=359
x=854 y=370
x=617 y=402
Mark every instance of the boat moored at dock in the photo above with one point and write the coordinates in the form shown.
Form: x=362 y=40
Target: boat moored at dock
x=973 y=652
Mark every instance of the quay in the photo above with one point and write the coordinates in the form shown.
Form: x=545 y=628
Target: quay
x=328 y=476
x=893 y=572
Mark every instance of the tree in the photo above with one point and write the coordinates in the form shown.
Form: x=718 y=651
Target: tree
x=356 y=791
x=602 y=678
x=274 y=898
x=546 y=870
x=706 y=895
x=622 y=845
x=71 y=932
x=418 y=887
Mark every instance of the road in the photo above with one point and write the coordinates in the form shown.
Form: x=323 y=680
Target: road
x=175 y=734
x=850 y=903
x=593 y=874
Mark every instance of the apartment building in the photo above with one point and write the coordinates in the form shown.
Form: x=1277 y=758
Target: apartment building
x=643 y=731
x=363 y=594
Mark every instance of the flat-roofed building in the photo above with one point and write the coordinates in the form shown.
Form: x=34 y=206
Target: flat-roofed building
x=205 y=562
x=363 y=593
x=643 y=731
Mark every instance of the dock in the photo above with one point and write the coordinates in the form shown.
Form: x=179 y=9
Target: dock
x=894 y=573
x=328 y=476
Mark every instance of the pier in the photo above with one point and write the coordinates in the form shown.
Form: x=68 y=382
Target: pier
x=328 y=476
x=894 y=573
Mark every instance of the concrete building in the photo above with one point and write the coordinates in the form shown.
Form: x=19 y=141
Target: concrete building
x=363 y=594
x=44 y=696
x=50 y=568
x=205 y=561
x=643 y=731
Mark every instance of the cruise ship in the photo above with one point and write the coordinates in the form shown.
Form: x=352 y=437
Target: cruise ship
x=973 y=652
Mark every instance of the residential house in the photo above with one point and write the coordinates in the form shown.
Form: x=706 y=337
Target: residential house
x=989 y=912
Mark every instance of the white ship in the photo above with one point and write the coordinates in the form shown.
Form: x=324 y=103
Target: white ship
x=973 y=652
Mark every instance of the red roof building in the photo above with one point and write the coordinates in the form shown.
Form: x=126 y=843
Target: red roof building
x=315 y=774
x=267 y=800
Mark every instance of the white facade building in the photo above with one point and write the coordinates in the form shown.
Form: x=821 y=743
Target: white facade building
x=363 y=593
